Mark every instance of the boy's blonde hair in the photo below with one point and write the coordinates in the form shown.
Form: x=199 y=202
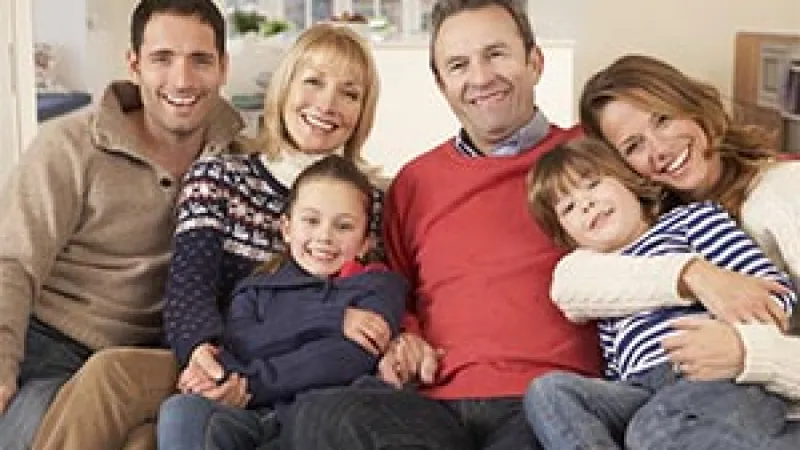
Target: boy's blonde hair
x=561 y=169
x=327 y=45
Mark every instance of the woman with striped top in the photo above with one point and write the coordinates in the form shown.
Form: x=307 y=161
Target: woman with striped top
x=584 y=196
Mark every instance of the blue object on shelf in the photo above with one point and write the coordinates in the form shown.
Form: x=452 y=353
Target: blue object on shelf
x=49 y=105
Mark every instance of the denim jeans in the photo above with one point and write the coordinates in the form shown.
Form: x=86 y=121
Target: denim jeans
x=657 y=410
x=382 y=418
x=50 y=360
x=191 y=422
x=713 y=415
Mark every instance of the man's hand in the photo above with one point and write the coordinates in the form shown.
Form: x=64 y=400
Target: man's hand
x=6 y=394
x=705 y=349
x=409 y=358
x=734 y=297
x=367 y=329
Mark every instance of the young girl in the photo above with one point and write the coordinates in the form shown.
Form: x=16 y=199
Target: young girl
x=584 y=196
x=283 y=332
x=321 y=100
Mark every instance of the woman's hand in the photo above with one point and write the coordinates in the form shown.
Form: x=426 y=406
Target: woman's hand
x=367 y=329
x=409 y=358
x=734 y=297
x=705 y=349
x=201 y=374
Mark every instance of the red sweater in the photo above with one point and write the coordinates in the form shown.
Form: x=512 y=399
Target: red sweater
x=459 y=229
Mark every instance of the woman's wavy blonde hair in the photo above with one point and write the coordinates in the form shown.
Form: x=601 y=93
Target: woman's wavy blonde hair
x=653 y=85
x=326 y=45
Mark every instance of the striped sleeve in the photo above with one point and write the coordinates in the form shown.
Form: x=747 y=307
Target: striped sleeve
x=712 y=232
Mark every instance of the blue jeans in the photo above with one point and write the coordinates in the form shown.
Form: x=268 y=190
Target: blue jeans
x=191 y=422
x=50 y=360
x=382 y=418
x=568 y=411
x=713 y=415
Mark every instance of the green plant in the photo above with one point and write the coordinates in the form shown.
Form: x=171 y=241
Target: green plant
x=274 y=26
x=246 y=21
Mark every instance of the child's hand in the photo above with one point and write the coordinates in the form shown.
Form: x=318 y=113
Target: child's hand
x=367 y=329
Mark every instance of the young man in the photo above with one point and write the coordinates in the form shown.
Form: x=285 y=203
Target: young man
x=88 y=214
x=480 y=323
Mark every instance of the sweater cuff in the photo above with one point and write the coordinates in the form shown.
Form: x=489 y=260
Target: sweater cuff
x=759 y=352
x=676 y=265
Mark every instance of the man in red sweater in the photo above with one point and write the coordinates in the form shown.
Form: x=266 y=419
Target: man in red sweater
x=480 y=323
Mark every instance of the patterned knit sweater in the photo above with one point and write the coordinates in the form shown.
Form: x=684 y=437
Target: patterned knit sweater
x=228 y=223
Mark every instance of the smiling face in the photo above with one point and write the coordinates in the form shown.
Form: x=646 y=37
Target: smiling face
x=600 y=213
x=179 y=72
x=669 y=151
x=486 y=74
x=327 y=225
x=323 y=106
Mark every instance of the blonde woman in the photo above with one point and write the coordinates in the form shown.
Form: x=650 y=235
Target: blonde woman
x=321 y=101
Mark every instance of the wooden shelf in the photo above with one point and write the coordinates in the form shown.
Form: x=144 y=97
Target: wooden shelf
x=746 y=80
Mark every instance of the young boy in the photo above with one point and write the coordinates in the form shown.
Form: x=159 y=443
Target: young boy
x=584 y=196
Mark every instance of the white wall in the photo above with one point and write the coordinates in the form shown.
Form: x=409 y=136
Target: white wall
x=62 y=23
x=695 y=35
x=107 y=40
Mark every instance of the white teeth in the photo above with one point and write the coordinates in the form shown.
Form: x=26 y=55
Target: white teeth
x=317 y=122
x=678 y=162
x=181 y=101
x=487 y=98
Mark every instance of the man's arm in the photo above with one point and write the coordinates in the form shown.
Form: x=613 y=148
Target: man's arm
x=409 y=356
x=43 y=204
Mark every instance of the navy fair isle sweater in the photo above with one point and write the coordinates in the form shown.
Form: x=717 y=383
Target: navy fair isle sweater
x=228 y=223
x=284 y=330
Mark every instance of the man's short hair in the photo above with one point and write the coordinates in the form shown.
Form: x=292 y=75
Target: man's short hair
x=205 y=10
x=446 y=8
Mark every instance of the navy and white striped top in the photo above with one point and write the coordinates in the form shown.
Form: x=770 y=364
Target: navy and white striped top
x=632 y=344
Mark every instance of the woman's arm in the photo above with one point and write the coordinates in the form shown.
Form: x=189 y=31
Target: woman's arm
x=589 y=285
x=771 y=358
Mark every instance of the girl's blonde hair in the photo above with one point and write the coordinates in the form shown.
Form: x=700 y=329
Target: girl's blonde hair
x=326 y=45
x=561 y=169
x=653 y=85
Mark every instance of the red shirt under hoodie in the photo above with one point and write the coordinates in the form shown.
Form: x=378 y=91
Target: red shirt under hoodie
x=459 y=230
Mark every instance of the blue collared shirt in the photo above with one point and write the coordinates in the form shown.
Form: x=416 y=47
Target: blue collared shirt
x=525 y=138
